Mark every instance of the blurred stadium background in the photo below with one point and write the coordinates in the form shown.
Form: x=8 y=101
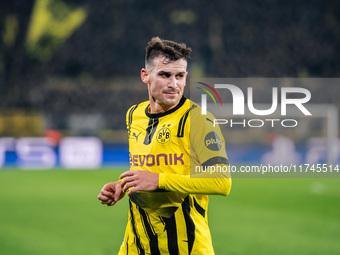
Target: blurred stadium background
x=69 y=70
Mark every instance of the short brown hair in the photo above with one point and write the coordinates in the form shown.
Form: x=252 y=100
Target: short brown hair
x=172 y=51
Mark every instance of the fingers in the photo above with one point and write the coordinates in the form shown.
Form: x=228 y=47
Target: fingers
x=111 y=193
x=130 y=180
x=129 y=185
x=112 y=203
x=103 y=198
x=117 y=193
x=127 y=173
x=106 y=193
x=127 y=180
x=133 y=190
x=143 y=180
x=109 y=201
x=106 y=196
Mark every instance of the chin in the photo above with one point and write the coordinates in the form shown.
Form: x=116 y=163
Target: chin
x=173 y=100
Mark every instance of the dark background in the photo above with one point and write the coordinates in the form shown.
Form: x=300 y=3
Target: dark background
x=95 y=70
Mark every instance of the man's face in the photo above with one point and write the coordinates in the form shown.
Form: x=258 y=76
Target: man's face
x=166 y=82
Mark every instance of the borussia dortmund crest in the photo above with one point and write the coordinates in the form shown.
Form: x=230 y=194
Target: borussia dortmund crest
x=163 y=135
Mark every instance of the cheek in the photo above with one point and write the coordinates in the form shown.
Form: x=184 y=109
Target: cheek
x=158 y=84
x=181 y=84
x=155 y=87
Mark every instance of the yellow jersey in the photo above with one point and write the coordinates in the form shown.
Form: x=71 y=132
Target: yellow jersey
x=173 y=218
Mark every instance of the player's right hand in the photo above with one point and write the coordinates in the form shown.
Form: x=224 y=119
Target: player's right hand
x=111 y=193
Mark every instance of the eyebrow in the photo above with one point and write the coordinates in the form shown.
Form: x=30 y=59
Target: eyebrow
x=165 y=72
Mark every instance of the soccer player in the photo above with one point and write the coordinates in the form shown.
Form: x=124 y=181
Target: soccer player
x=168 y=140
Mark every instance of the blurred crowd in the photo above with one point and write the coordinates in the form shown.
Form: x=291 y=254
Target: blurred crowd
x=95 y=69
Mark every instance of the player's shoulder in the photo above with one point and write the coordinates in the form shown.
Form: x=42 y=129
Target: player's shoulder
x=138 y=107
x=196 y=113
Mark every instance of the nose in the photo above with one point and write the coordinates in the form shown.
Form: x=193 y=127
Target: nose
x=172 y=82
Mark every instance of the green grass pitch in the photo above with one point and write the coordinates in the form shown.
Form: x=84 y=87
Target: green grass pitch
x=57 y=212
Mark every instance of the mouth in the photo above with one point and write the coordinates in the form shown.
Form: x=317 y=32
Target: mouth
x=170 y=92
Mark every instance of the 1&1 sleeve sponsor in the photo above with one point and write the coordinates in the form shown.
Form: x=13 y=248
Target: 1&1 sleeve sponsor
x=207 y=143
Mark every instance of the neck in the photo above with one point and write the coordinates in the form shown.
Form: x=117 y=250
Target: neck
x=157 y=108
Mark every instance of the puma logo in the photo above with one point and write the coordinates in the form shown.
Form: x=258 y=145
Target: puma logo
x=134 y=134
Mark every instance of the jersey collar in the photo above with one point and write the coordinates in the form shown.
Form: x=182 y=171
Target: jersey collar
x=161 y=114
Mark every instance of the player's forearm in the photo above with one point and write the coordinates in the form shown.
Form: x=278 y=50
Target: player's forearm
x=186 y=184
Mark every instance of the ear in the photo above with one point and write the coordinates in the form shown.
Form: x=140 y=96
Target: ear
x=144 y=75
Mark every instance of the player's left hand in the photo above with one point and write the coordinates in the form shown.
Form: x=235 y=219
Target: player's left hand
x=139 y=181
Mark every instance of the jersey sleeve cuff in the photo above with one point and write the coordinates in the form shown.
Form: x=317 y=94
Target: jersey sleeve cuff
x=216 y=160
x=161 y=180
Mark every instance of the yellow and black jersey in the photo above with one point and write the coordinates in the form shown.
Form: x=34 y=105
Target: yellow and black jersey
x=173 y=219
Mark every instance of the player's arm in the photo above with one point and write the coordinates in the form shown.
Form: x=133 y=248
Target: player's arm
x=202 y=153
x=218 y=183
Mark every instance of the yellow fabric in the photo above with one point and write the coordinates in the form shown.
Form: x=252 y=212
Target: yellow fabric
x=220 y=185
x=173 y=219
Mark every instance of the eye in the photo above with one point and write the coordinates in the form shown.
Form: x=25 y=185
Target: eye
x=166 y=75
x=181 y=75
